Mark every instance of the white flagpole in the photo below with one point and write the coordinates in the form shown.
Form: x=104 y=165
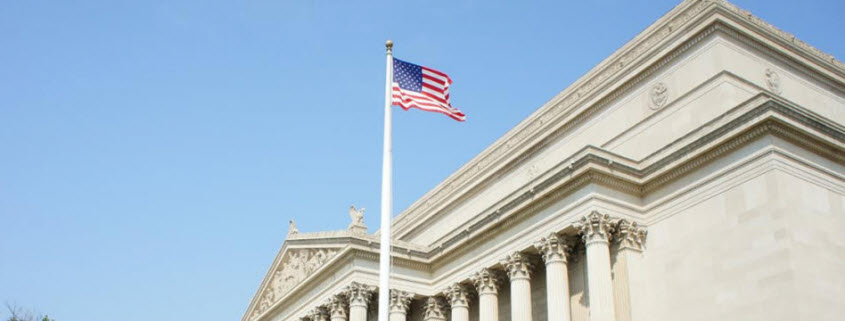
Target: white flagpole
x=386 y=192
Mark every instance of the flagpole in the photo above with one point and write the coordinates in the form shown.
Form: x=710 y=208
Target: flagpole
x=386 y=191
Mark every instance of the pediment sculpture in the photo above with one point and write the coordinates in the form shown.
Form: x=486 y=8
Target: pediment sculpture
x=295 y=266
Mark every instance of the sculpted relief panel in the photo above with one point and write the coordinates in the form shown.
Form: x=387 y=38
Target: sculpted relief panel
x=296 y=266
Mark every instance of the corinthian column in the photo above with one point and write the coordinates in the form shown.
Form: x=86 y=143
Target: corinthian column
x=434 y=310
x=630 y=238
x=337 y=308
x=554 y=253
x=459 y=300
x=487 y=284
x=359 y=295
x=519 y=272
x=596 y=229
x=399 y=303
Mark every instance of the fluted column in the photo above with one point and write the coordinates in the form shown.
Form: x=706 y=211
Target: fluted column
x=519 y=272
x=596 y=229
x=400 y=301
x=629 y=242
x=487 y=284
x=318 y=314
x=434 y=310
x=359 y=295
x=458 y=296
x=554 y=252
x=337 y=308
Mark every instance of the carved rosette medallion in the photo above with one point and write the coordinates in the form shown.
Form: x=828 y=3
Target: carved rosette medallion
x=318 y=314
x=658 y=95
x=517 y=266
x=337 y=307
x=486 y=281
x=630 y=235
x=458 y=295
x=773 y=81
x=358 y=294
x=400 y=301
x=595 y=227
x=553 y=248
x=434 y=310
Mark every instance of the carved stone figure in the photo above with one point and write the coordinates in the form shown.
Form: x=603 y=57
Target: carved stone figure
x=292 y=228
x=773 y=81
x=357 y=217
x=659 y=94
x=296 y=265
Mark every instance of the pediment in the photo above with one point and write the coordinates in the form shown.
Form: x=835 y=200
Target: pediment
x=291 y=267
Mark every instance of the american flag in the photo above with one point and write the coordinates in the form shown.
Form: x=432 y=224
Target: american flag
x=424 y=88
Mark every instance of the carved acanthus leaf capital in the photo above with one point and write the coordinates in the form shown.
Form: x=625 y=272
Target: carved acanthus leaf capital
x=458 y=295
x=318 y=314
x=358 y=294
x=336 y=305
x=553 y=248
x=517 y=266
x=400 y=301
x=595 y=227
x=486 y=281
x=435 y=309
x=630 y=235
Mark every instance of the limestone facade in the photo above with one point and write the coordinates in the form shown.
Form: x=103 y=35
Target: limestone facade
x=698 y=173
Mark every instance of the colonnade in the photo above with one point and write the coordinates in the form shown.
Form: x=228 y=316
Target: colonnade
x=596 y=230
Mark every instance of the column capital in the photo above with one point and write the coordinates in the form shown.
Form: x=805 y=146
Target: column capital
x=630 y=235
x=517 y=266
x=486 y=281
x=400 y=301
x=336 y=305
x=434 y=310
x=318 y=314
x=458 y=295
x=595 y=227
x=359 y=294
x=553 y=248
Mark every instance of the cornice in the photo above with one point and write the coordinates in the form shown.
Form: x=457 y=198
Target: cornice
x=572 y=106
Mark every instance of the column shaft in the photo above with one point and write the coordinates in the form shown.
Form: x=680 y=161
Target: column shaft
x=600 y=282
x=521 y=299
x=488 y=306
x=557 y=287
x=358 y=313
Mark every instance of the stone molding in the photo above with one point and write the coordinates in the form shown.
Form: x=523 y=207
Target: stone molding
x=434 y=310
x=596 y=227
x=630 y=235
x=553 y=249
x=517 y=266
x=400 y=301
x=626 y=57
x=458 y=295
x=359 y=294
x=486 y=281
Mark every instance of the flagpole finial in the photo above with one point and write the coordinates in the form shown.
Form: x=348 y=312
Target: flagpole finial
x=389 y=45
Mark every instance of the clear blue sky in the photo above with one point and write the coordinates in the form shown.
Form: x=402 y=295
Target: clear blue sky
x=153 y=151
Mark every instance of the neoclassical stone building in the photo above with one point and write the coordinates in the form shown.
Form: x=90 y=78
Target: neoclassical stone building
x=698 y=173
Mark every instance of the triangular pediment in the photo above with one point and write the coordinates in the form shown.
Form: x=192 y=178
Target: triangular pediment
x=291 y=267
